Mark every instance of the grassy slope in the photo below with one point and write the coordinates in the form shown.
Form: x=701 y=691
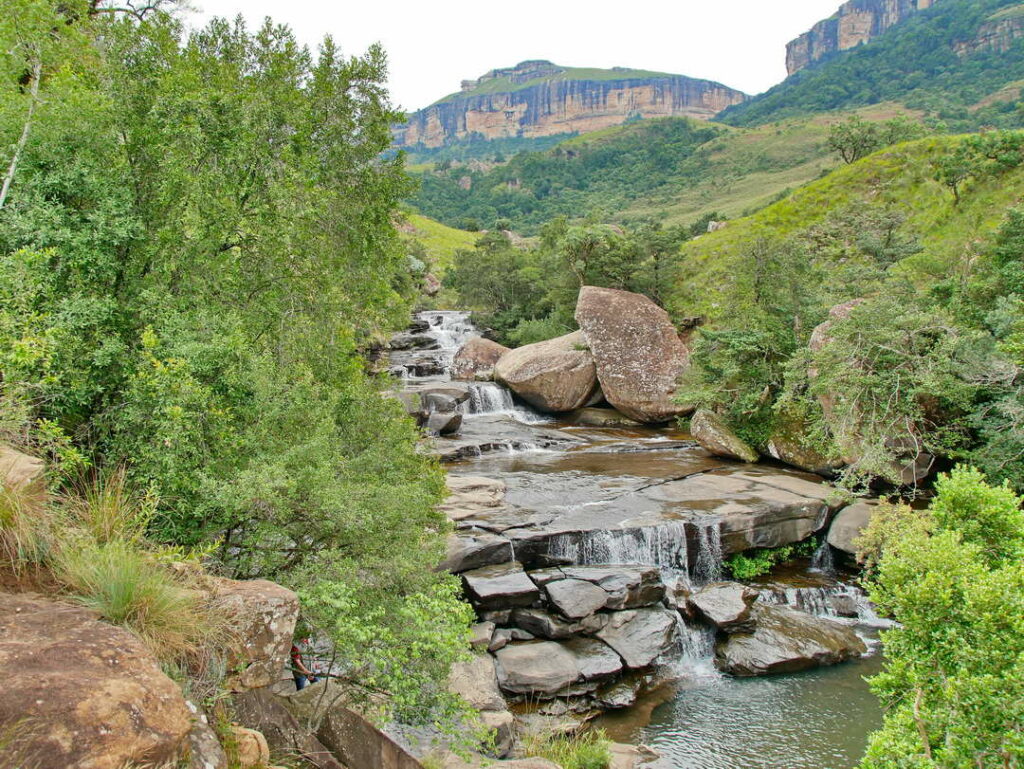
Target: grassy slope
x=901 y=176
x=441 y=241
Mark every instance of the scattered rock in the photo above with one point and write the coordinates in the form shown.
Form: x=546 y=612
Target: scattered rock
x=480 y=635
x=412 y=341
x=575 y=598
x=269 y=714
x=262 y=616
x=501 y=638
x=628 y=587
x=621 y=694
x=500 y=586
x=726 y=605
x=639 y=636
x=252 y=749
x=473 y=551
x=476 y=359
x=597 y=417
x=637 y=351
x=717 y=438
x=556 y=375
x=205 y=750
x=443 y=423
x=786 y=641
x=547 y=625
x=849 y=523
x=539 y=668
x=82 y=693
x=502 y=726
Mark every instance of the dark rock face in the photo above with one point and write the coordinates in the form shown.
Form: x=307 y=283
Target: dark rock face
x=500 y=586
x=640 y=636
x=856 y=22
x=786 y=641
x=543 y=99
x=726 y=605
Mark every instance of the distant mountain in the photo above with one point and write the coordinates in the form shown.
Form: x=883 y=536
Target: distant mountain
x=960 y=61
x=856 y=22
x=538 y=98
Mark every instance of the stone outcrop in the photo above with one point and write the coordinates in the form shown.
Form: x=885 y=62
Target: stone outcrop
x=476 y=359
x=554 y=376
x=786 y=641
x=997 y=34
x=638 y=352
x=82 y=694
x=262 y=617
x=539 y=98
x=726 y=605
x=856 y=22
x=717 y=438
x=271 y=715
x=639 y=636
x=849 y=524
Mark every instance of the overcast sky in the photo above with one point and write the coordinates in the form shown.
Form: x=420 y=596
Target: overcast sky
x=433 y=46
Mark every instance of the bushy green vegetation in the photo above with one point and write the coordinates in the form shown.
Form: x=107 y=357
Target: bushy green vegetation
x=196 y=244
x=914 y=63
x=590 y=749
x=760 y=561
x=952 y=576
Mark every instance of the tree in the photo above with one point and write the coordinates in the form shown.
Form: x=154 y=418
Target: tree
x=853 y=138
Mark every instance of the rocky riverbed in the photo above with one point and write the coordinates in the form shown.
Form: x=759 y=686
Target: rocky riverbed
x=592 y=545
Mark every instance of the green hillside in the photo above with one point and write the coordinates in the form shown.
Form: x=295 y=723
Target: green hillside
x=915 y=63
x=439 y=242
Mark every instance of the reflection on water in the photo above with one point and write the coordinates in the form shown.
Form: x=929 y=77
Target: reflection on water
x=819 y=719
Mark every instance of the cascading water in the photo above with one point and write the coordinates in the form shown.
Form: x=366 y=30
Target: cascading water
x=837 y=601
x=708 y=566
x=663 y=546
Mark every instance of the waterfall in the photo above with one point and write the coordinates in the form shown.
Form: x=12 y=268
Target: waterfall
x=832 y=601
x=489 y=398
x=822 y=559
x=708 y=566
x=693 y=654
x=663 y=546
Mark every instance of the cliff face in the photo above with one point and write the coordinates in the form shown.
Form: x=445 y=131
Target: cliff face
x=856 y=22
x=540 y=99
x=997 y=34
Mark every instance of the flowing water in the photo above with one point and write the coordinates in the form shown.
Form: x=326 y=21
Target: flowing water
x=819 y=719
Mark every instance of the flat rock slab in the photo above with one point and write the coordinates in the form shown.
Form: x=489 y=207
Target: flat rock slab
x=625 y=587
x=476 y=682
x=640 y=636
x=726 y=605
x=575 y=598
x=536 y=667
x=500 y=586
x=594 y=659
x=786 y=641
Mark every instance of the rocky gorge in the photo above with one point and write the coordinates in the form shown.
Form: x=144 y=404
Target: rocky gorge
x=591 y=538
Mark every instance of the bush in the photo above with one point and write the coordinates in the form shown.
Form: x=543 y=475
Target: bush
x=754 y=563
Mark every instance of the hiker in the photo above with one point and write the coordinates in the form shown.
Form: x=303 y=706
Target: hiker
x=303 y=675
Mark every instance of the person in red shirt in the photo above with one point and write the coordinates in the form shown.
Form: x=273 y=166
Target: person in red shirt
x=303 y=675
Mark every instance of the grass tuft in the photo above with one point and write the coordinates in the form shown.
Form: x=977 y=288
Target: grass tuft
x=26 y=527
x=586 y=750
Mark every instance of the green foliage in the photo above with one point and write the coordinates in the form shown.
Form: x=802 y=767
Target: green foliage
x=585 y=750
x=940 y=81
x=953 y=686
x=856 y=138
x=760 y=561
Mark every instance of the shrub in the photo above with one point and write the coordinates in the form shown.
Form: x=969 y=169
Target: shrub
x=107 y=508
x=754 y=563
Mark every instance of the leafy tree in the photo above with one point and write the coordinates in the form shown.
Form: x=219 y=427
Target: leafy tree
x=854 y=138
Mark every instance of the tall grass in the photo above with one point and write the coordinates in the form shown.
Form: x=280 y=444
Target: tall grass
x=107 y=508
x=586 y=750
x=26 y=527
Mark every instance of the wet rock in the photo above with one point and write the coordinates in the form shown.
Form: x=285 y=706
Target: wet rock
x=540 y=668
x=621 y=694
x=78 y=692
x=726 y=605
x=717 y=438
x=481 y=634
x=849 y=524
x=638 y=353
x=547 y=625
x=639 y=636
x=628 y=587
x=786 y=641
x=411 y=341
x=262 y=617
x=473 y=551
x=476 y=360
x=443 y=423
x=575 y=598
x=594 y=659
x=597 y=417
x=500 y=586
x=844 y=605
x=476 y=682
x=554 y=376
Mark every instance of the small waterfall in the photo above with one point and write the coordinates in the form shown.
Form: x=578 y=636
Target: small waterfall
x=663 y=546
x=708 y=566
x=822 y=560
x=489 y=398
x=451 y=330
x=693 y=654
x=836 y=601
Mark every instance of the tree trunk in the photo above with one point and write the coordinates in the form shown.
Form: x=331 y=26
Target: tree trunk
x=37 y=72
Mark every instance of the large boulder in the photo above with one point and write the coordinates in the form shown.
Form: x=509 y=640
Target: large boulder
x=640 y=636
x=637 y=351
x=539 y=668
x=717 y=438
x=476 y=359
x=476 y=682
x=785 y=641
x=790 y=444
x=500 y=586
x=726 y=605
x=849 y=524
x=262 y=617
x=575 y=598
x=554 y=376
x=261 y=710
x=81 y=694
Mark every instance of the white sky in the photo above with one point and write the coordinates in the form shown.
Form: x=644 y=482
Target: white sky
x=433 y=46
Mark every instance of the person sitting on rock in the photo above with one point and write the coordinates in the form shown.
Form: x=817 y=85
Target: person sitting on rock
x=303 y=675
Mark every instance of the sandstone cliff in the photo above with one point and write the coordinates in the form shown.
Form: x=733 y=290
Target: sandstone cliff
x=538 y=98
x=997 y=34
x=856 y=22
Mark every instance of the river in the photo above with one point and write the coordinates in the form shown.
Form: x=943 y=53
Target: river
x=553 y=470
